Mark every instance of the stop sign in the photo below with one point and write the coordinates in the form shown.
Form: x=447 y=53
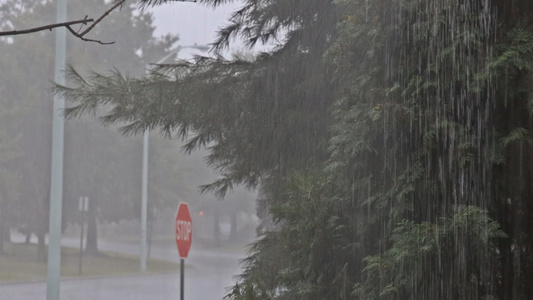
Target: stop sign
x=183 y=229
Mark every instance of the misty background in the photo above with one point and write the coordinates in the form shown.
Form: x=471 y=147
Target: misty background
x=100 y=163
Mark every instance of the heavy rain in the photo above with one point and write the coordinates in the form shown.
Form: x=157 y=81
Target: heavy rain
x=318 y=149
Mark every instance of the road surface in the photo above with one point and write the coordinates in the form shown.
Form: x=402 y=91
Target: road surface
x=208 y=275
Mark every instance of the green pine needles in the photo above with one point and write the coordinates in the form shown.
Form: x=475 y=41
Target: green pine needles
x=392 y=138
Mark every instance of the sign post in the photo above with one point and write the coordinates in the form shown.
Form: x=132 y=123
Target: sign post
x=183 y=239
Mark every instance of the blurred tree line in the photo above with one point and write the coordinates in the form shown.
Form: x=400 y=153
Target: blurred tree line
x=99 y=163
x=391 y=141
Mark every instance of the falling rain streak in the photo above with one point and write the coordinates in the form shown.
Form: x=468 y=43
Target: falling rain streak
x=390 y=140
x=438 y=129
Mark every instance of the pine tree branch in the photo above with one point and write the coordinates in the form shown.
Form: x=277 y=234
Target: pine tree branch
x=152 y=3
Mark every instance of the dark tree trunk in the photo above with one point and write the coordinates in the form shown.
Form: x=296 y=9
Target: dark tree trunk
x=527 y=213
x=6 y=236
x=41 y=247
x=91 y=244
x=2 y=233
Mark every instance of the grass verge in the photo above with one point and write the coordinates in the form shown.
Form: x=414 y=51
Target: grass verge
x=21 y=264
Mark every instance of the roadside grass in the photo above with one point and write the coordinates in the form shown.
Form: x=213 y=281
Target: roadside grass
x=135 y=238
x=20 y=264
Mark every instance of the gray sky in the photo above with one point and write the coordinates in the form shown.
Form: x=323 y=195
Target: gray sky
x=193 y=22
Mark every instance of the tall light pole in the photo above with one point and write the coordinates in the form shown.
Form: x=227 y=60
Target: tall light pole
x=56 y=180
x=144 y=188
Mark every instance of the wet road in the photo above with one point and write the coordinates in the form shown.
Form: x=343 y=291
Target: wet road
x=208 y=274
x=134 y=287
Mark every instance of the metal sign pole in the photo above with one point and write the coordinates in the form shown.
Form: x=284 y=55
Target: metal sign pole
x=182 y=279
x=144 y=201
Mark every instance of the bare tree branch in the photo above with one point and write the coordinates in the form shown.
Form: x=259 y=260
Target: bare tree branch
x=67 y=25
x=119 y=3
x=74 y=33
x=46 y=27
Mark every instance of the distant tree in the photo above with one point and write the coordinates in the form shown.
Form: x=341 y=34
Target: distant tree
x=9 y=180
x=102 y=165
x=92 y=155
x=30 y=201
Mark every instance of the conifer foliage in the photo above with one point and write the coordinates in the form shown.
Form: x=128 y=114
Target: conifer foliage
x=258 y=118
x=391 y=137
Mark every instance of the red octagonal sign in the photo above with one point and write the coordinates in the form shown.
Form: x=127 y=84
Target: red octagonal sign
x=183 y=229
